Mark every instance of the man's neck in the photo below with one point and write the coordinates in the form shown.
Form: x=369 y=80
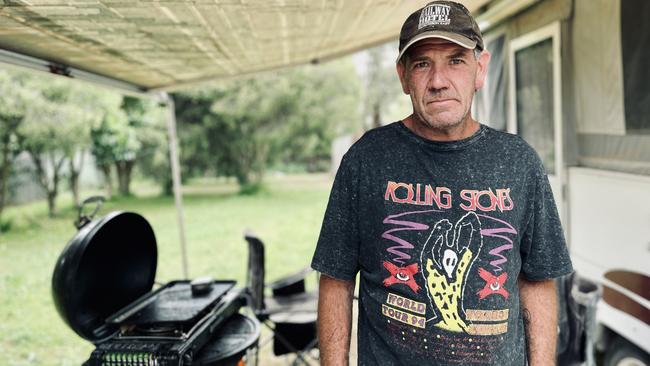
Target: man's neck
x=461 y=131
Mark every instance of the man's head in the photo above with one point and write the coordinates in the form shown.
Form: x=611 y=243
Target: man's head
x=441 y=63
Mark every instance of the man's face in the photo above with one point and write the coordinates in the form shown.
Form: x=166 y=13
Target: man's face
x=441 y=78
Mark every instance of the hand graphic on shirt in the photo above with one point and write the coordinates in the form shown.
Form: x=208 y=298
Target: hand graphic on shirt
x=445 y=266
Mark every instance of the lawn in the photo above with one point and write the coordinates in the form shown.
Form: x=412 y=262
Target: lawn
x=286 y=216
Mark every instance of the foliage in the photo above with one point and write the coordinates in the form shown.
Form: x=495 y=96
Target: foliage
x=13 y=107
x=56 y=121
x=105 y=136
x=148 y=118
x=93 y=102
x=128 y=133
x=192 y=111
x=238 y=128
x=241 y=126
x=327 y=100
x=382 y=92
x=55 y=129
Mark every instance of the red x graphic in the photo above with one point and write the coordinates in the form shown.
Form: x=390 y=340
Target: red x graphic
x=403 y=275
x=493 y=284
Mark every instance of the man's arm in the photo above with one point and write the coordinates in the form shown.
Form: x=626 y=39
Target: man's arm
x=334 y=320
x=539 y=308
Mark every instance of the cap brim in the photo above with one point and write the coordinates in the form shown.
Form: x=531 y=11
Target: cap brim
x=451 y=37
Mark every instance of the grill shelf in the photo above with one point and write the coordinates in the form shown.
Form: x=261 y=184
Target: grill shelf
x=172 y=304
x=130 y=348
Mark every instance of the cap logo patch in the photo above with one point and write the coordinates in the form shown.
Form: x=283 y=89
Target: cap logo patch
x=434 y=14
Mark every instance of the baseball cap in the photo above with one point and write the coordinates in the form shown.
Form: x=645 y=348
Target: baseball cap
x=440 y=19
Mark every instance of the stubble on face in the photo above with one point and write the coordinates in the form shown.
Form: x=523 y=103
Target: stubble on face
x=435 y=120
x=440 y=78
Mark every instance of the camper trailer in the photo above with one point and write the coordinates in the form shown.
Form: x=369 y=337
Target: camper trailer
x=572 y=77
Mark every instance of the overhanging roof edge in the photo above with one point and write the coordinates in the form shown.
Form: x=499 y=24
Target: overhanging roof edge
x=37 y=64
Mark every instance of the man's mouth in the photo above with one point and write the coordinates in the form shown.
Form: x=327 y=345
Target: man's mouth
x=436 y=101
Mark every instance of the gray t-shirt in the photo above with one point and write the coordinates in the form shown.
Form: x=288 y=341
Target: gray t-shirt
x=440 y=232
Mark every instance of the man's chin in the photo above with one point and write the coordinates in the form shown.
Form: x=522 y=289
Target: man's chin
x=442 y=123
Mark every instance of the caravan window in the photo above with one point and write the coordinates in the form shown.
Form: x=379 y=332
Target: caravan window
x=635 y=38
x=490 y=101
x=535 y=93
x=534 y=98
x=611 y=84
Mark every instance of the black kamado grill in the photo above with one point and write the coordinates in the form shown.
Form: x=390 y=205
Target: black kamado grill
x=102 y=288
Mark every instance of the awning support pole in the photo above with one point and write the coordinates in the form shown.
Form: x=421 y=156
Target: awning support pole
x=176 y=177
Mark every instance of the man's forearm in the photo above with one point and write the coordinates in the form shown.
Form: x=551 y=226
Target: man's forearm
x=539 y=308
x=334 y=320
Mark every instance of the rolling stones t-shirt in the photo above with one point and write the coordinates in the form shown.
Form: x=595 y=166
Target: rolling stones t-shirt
x=440 y=232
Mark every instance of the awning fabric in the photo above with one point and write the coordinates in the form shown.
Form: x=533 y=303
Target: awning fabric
x=171 y=44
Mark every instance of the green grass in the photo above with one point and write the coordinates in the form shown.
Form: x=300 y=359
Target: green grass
x=286 y=216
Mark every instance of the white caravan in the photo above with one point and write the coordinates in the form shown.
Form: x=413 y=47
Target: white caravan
x=572 y=77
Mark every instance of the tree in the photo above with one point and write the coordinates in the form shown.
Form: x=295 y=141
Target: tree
x=13 y=106
x=125 y=155
x=193 y=110
x=88 y=101
x=149 y=119
x=131 y=131
x=381 y=85
x=242 y=126
x=327 y=105
x=114 y=143
x=127 y=144
x=102 y=138
x=51 y=132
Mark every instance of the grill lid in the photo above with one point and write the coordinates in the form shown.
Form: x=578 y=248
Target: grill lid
x=108 y=264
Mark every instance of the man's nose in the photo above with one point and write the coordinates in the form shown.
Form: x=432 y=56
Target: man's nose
x=437 y=79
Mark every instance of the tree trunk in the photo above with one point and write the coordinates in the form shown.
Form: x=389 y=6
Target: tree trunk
x=168 y=187
x=242 y=179
x=75 y=172
x=376 y=115
x=108 y=180
x=251 y=168
x=124 y=169
x=51 y=188
x=5 y=169
x=51 y=203
x=7 y=158
x=243 y=169
x=53 y=192
x=74 y=186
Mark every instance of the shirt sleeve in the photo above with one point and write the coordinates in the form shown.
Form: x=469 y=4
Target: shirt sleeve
x=337 y=250
x=543 y=248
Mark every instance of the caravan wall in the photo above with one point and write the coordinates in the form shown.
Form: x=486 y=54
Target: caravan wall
x=572 y=77
x=605 y=77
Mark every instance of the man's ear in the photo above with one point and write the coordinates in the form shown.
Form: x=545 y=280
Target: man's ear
x=481 y=70
x=401 y=72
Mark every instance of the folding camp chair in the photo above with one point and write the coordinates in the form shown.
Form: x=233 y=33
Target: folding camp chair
x=289 y=311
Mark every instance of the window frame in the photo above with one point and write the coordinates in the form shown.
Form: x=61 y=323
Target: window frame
x=553 y=32
x=487 y=38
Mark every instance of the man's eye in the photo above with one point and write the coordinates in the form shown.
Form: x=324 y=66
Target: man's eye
x=456 y=61
x=419 y=65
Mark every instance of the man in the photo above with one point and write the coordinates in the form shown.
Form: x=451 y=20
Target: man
x=451 y=224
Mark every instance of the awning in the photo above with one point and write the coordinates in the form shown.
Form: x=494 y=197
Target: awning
x=170 y=44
